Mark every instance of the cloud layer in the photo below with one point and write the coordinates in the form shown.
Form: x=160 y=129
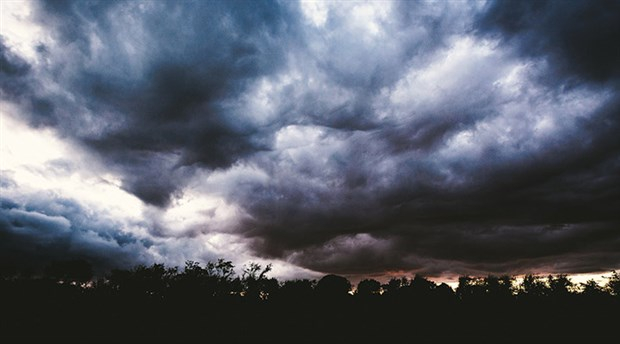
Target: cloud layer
x=356 y=138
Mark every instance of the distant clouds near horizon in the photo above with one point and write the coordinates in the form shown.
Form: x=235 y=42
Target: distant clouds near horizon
x=355 y=138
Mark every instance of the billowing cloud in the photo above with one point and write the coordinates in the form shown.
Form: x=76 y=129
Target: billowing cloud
x=142 y=84
x=37 y=229
x=357 y=138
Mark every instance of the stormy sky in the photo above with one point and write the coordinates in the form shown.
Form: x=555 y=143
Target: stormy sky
x=358 y=138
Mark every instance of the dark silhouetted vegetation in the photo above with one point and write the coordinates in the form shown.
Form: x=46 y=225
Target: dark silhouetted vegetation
x=211 y=303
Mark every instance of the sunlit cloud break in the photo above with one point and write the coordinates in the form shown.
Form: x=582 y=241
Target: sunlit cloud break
x=359 y=138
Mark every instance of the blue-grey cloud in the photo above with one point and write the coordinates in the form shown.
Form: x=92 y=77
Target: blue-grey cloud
x=147 y=80
x=575 y=38
x=437 y=137
x=42 y=229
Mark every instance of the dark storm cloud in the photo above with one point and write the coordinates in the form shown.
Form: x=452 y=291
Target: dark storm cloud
x=13 y=70
x=578 y=38
x=433 y=137
x=492 y=211
x=44 y=229
x=502 y=210
x=147 y=79
x=436 y=249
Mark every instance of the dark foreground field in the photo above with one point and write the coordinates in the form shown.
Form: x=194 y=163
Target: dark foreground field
x=203 y=305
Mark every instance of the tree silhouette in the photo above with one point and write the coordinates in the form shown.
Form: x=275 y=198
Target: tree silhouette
x=333 y=286
x=498 y=288
x=144 y=281
x=533 y=287
x=470 y=288
x=613 y=284
x=421 y=287
x=444 y=293
x=592 y=289
x=255 y=283
x=560 y=286
x=194 y=283
x=161 y=304
x=368 y=287
x=393 y=287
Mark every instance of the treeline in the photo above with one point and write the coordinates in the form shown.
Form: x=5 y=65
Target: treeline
x=212 y=302
x=219 y=280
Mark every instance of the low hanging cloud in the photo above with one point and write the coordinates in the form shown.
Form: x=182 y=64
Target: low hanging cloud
x=356 y=138
x=44 y=228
